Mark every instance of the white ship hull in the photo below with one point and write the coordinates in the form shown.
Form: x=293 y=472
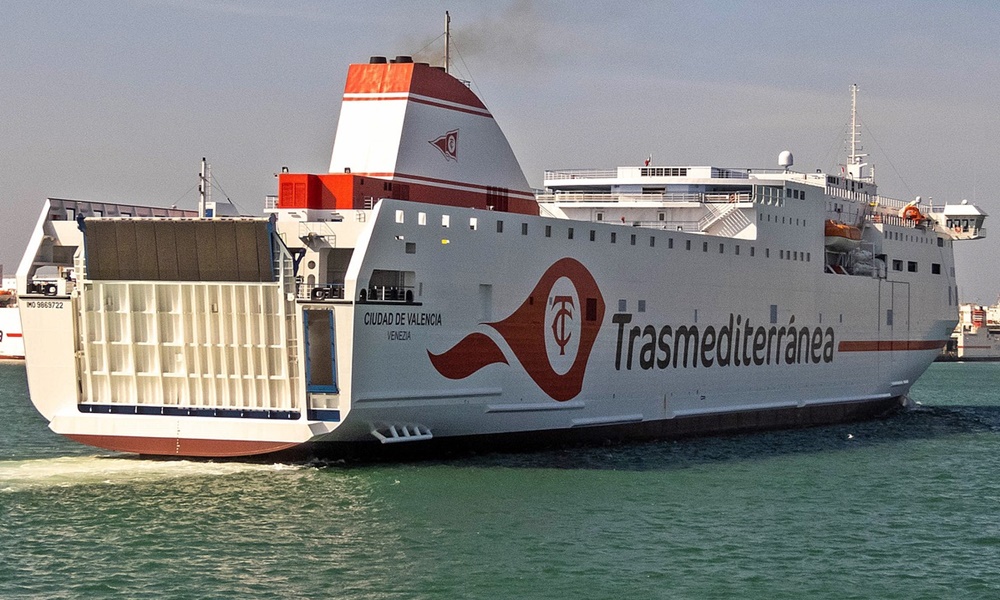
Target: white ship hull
x=385 y=377
x=347 y=319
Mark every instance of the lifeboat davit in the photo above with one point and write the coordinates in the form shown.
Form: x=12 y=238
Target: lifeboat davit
x=841 y=237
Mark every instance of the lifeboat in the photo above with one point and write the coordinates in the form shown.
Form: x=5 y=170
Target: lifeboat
x=911 y=213
x=840 y=237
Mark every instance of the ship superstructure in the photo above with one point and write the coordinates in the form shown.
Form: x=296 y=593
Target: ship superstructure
x=421 y=291
x=977 y=335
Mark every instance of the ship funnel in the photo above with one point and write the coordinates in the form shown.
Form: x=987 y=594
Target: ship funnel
x=429 y=133
x=377 y=60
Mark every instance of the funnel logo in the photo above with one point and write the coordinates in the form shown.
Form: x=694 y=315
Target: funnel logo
x=551 y=334
x=447 y=144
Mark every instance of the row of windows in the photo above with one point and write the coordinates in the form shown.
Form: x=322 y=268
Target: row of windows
x=911 y=266
x=963 y=224
x=663 y=172
x=97 y=212
x=633 y=238
x=793 y=255
x=904 y=237
x=840 y=181
x=800 y=222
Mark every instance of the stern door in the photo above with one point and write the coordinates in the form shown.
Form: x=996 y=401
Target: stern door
x=321 y=368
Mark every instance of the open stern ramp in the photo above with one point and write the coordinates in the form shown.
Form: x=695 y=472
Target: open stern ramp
x=185 y=333
x=196 y=320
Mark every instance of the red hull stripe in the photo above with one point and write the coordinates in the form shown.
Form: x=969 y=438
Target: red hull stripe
x=446 y=182
x=891 y=345
x=180 y=447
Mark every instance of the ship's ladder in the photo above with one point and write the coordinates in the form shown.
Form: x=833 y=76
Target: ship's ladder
x=733 y=223
x=396 y=433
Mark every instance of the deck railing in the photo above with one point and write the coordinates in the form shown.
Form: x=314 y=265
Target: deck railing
x=607 y=197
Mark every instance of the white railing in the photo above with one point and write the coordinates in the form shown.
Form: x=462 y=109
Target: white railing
x=321 y=291
x=650 y=171
x=792 y=175
x=387 y=293
x=607 y=197
x=862 y=197
x=582 y=174
x=309 y=230
x=666 y=225
x=889 y=202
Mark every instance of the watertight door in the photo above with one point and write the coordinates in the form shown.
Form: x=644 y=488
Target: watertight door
x=901 y=310
x=321 y=371
x=895 y=326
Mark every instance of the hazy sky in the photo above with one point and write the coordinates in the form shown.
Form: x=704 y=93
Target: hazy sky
x=119 y=100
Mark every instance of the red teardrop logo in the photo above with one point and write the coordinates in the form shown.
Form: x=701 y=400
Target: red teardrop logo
x=551 y=334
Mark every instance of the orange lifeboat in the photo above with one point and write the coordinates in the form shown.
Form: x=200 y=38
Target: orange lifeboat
x=840 y=237
x=912 y=213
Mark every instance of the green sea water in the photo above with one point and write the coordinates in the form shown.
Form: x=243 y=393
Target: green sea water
x=906 y=507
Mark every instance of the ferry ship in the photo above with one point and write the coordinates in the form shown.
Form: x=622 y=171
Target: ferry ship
x=11 y=342
x=977 y=335
x=421 y=292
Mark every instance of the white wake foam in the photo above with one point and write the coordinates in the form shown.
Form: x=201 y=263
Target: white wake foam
x=81 y=470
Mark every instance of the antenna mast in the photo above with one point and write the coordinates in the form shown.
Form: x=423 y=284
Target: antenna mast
x=447 y=42
x=204 y=187
x=855 y=168
x=855 y=134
